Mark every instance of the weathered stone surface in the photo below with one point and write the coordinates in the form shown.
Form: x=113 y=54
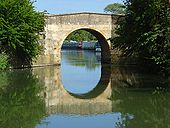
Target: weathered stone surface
x=58 y=27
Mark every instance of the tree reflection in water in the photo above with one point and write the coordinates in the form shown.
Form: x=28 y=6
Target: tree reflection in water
x=82 y=58
x=143 y=100
x=21 y=105
x=136 y=100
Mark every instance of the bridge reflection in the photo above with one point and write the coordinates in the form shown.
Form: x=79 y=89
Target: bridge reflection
x=59 y=100
x=135 y=96
x=101 y=86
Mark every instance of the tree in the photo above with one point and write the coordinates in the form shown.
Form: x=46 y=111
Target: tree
x=20 y=25
x=115 y=8
x=145 y=32
x=81 y=35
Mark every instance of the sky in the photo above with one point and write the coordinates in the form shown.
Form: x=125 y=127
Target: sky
x=71 y=6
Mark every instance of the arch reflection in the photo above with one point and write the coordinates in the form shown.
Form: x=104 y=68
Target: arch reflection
x=58 y=100
x=100 y=87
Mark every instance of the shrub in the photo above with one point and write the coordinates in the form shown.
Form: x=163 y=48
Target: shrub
x=4 y=61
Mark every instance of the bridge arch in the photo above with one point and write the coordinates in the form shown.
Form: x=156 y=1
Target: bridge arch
x=104 y=43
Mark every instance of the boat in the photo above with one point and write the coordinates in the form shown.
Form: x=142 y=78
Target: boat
x=98 y=49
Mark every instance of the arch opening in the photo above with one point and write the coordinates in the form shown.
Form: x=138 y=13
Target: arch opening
x=98 y=37
x=105 y=48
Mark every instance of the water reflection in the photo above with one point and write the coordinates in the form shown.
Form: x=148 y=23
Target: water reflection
x=147 y=110
x=59 y=100
x=78 y=121
x=143 y=99
x=20 y=104
x=126 y=102
x=78 y=67
x=100 y=86
x=81 y=58
x=123 y=98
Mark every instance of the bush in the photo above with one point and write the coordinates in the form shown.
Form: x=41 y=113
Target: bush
x=4 y=61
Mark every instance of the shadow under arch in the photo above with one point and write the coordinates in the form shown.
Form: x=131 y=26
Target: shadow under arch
x=100 y=87
x=105 y=47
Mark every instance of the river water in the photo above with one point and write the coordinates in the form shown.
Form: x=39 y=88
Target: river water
x=82 y=93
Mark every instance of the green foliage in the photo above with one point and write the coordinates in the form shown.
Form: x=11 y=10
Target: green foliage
x=145 y=32
x=3 y=79
x=115 y=8
x=19 y=28
x=4 y=61
x=139 y=107
x=21 y=103
x=81 y=35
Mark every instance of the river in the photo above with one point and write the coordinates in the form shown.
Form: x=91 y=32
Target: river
x=83 y=93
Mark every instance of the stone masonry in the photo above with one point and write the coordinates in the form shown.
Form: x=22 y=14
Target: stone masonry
x=58 y=27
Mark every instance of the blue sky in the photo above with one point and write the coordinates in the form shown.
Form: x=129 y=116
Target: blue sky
x=70 y=6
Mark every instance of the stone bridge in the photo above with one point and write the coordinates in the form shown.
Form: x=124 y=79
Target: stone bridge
x=58 y=27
